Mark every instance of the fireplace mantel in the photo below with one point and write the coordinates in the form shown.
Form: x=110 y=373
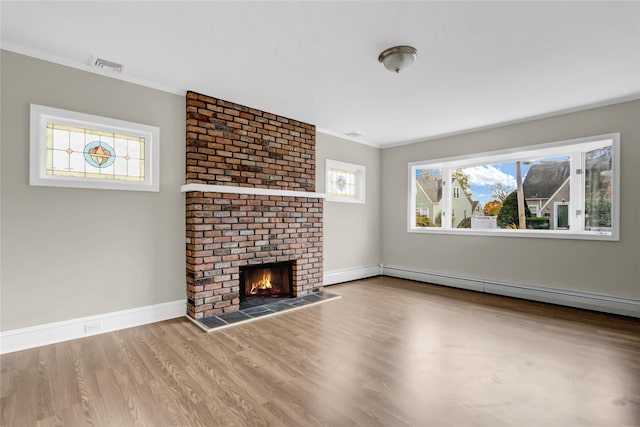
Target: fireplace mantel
x=208 y=188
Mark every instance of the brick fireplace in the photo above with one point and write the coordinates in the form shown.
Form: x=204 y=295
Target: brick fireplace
x=250 y=200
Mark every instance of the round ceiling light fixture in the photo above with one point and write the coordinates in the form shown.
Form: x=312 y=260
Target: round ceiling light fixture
x=398 y=58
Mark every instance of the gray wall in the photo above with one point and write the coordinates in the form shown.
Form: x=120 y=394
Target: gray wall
x=608 y=268
x=55 y=266
x=351 y=230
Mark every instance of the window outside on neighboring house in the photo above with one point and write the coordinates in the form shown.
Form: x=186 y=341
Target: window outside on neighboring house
x=569 y=190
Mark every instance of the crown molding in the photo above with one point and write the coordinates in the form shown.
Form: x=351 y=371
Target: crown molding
x=34 y=53
x=358 y=140
x=37 y=54
x=590 y=106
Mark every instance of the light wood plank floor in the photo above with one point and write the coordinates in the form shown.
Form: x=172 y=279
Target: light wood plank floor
x=391 y=352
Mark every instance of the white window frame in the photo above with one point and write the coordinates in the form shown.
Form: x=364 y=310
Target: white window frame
x=42 y=115
x=574 y=148
x=360 y=174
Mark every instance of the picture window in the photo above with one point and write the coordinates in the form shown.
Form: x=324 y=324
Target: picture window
x=570 y=190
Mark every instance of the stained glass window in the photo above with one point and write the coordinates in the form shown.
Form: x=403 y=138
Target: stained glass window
x=88 y=153
x=70 y=149
x=345 y=182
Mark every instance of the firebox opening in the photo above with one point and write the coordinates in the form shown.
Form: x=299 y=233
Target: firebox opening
x=265 y=283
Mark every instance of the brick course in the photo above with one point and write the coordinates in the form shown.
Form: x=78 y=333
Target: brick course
x=230 y=144
x=233 y=145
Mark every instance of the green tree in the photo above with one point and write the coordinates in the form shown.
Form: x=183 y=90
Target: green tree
x=508 y=215
x=598 y=210
x=424 y=221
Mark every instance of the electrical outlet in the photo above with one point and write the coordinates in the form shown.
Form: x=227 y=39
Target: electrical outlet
x=92 y=327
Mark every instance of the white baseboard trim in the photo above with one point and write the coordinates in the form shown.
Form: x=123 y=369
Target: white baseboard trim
x=50 y=333
x=596 y=302
x=354 y=273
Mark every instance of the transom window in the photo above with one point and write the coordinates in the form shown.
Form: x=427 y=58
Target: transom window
x=74 y=149
x=345 y=182
x=562 y=189
x=89 y=153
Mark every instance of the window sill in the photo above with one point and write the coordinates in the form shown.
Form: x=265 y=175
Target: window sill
x=344 y=200
x=536 y=234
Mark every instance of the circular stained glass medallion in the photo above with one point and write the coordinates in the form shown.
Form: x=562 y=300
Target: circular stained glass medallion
x=99 y=154
x=341 y=183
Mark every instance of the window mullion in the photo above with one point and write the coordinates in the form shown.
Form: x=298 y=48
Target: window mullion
x=576 y=192
x=412 y=196
x=446 y=199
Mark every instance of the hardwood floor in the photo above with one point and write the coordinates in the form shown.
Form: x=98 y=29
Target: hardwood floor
x=391 y=352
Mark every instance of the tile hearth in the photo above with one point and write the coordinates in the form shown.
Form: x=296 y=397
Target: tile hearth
x=281 y=305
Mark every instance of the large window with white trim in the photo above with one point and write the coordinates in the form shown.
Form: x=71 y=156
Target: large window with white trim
x=566 y=189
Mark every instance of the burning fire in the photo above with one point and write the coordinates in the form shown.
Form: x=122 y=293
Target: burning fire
x=264 y=283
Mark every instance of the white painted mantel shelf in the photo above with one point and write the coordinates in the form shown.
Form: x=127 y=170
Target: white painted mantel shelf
x=249 y=190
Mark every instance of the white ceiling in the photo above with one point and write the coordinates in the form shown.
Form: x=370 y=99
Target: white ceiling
x=479 y=63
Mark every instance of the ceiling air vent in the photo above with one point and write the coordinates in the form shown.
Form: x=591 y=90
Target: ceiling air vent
x=107 y=65
x=352 y=134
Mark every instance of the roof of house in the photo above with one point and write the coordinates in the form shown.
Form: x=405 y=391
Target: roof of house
x=432 y=187
x=544 y=179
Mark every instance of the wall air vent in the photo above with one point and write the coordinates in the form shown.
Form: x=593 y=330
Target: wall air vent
x=107 y=65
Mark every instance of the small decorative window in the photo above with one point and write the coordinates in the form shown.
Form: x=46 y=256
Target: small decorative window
x=71 y=149
x=345 y=182
x=456 y=192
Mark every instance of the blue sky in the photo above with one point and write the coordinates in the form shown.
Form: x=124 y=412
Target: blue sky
x=483 y=177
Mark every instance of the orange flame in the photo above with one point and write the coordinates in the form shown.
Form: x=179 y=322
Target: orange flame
x=264 y=283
